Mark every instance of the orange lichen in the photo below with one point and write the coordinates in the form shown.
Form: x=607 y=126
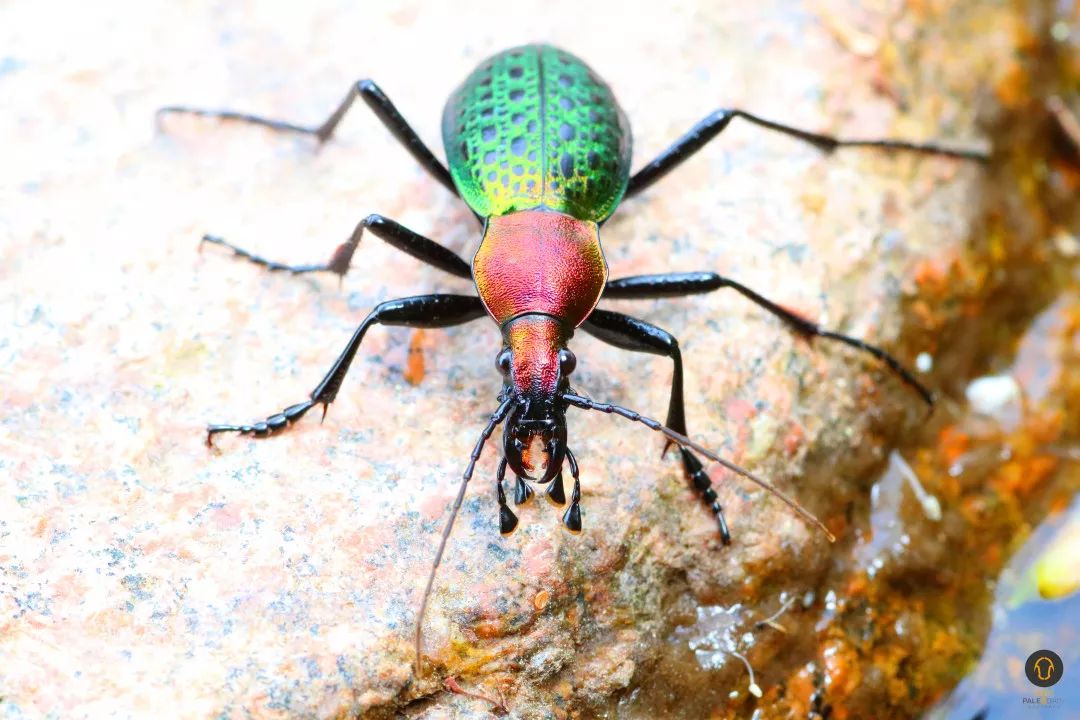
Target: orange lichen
x=1013 y=90
x=793 y=439
x=952 y=444
x=857 y=585
x=800 y=691
x=1022 y=477
x=1045 y=427
x=414 y=364
x=992 y=555
x=843 y=668
x=931 y=275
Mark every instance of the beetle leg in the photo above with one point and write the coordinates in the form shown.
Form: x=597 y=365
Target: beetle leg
x=393 y=233
x=681 y=284
x=375 y=98
x=425 y=311
x=714 y=124
x=629 y=333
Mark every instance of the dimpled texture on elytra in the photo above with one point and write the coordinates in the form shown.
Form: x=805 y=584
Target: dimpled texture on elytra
x=535 y=127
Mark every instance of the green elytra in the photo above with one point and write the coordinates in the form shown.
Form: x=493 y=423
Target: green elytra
x=534 y=126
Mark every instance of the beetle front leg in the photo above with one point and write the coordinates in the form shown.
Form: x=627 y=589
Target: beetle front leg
x=423 y=311
x=635 y=335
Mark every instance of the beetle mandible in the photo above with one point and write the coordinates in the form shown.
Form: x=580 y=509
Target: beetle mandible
x=540 y=150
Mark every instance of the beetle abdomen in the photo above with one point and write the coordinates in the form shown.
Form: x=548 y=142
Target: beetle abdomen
x=534 y=126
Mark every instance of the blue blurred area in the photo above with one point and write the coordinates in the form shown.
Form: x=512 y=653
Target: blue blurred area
x=1023 y=622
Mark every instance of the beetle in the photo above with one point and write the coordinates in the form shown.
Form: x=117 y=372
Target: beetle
x=540 y=150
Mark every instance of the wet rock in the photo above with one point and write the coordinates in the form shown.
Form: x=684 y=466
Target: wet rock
x=281 y=578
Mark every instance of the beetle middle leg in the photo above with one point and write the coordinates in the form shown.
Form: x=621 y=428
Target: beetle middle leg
x=682 y=284
x=375 y=99
x=390 y=231
x=699 y=135
x=629 y=333
x=424 y=311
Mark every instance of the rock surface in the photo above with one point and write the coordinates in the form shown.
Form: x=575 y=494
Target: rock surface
x=142 y=572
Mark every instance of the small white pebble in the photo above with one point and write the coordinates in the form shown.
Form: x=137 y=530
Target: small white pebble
x=997 y=396
x=924 y=363
x=1067 y=244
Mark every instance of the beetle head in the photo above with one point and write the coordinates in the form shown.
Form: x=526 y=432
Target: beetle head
x=535 y=363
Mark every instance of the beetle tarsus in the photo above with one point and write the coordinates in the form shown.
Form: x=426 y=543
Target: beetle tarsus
x=264 y=428
x=393 y=233
x=703 y=484
x=271 y=265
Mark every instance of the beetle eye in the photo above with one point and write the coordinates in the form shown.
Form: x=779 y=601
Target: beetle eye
x=502 y=361
x=567 y=362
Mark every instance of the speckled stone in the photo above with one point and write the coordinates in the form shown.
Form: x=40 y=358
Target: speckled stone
x=144 y=575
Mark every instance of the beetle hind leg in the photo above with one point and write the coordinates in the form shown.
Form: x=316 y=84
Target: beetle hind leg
x=373 y=97
x=714 y=124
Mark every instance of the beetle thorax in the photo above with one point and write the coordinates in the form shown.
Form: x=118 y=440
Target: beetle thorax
x=539 y=261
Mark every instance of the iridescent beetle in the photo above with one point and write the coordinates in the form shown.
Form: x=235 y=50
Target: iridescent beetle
x=540 y=151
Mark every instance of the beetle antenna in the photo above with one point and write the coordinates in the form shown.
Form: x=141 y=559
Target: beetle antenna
x=496 y=418
x=683 y=441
